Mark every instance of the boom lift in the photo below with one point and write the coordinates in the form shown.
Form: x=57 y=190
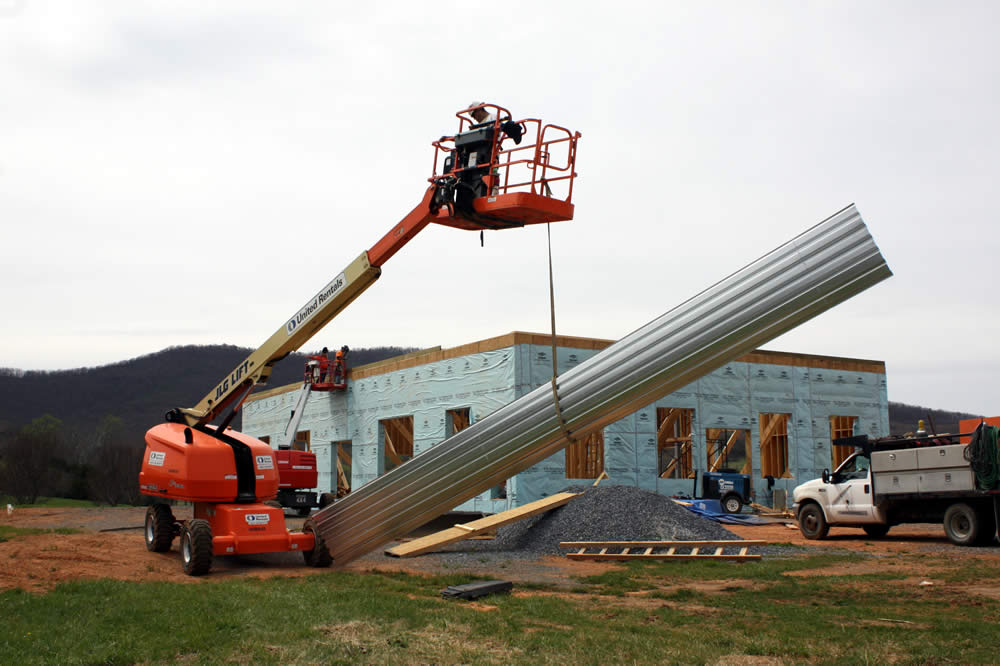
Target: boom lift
x=499 y=174
x=297 y=473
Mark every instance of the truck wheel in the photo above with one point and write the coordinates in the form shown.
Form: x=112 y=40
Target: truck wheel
x=196 y=547
x=732 y=503
x=159 y=528
x=962 y=524
x=876 y=530
x=304 y=511
x=987 y=526
x=319 y=556
x=812 y=522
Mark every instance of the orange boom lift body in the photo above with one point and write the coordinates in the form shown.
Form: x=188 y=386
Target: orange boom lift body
x=500 y=174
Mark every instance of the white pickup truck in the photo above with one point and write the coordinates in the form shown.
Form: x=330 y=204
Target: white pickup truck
x=891 y=481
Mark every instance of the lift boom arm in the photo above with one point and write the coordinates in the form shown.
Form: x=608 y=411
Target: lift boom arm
x=476 y=162
x=308 y=320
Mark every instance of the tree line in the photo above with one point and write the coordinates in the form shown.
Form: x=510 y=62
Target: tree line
x=47 y=459
x=81 y=433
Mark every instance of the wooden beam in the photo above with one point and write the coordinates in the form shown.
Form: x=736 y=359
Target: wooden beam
x=435 y=541
x=668 y=421
x=343 y=455
x=390 y=450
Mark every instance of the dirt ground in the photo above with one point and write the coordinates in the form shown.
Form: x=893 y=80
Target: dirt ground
x=110 y=544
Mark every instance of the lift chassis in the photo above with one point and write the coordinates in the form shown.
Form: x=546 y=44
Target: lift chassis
x=500 y=174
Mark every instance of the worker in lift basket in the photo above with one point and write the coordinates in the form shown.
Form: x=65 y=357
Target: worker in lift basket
x=480 y=115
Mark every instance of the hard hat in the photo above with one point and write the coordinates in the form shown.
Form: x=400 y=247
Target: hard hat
x=473 y=105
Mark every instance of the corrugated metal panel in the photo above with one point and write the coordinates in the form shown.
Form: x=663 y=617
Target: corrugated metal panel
x=824 y=266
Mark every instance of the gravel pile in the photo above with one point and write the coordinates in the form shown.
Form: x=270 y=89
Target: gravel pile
x=606 y=513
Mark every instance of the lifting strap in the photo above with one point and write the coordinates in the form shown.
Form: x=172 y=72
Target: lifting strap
x=552 y=313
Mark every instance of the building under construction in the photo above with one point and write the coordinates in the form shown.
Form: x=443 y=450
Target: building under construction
x=771 y=415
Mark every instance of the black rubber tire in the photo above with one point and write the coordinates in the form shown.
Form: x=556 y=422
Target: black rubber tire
x=876 y=531
x=812 y=522
x=196 y=547
x=987 y=527
x=326 y=499
x=731 y=503
x=274 y=504
x=319 y=556
x=962 y=524
x=304 y=511
x=159 y=529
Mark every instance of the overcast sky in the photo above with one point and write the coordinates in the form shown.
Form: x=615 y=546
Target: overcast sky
x=174 y=173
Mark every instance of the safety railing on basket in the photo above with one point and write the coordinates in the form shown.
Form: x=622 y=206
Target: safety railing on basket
x=543 y=163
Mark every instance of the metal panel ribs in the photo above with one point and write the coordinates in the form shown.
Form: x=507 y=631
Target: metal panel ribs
x=809 y=274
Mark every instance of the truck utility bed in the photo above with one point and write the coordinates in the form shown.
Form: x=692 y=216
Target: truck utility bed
x=922 y=470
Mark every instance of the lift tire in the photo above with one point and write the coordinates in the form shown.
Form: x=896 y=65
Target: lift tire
x=876 y=531
x=962 y=524
x=304 y=511
x=731 y=503
x=274 y=504
x=159 y=530
x=326 y=499
x=196 y=547
x=812 y=522
x=319 y=556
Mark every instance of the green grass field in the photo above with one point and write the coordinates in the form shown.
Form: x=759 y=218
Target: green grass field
x=693 y=613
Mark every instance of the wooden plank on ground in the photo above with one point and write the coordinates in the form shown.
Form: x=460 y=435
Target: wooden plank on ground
x=434 y=541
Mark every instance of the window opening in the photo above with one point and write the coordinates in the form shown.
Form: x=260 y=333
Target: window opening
x=585 y=457
x=456 y=420
x=303 y=439
x=841 y=426
x=397 y=441
x=774 y=445
x=728 y=450
x=344 y=467
x=673 y=442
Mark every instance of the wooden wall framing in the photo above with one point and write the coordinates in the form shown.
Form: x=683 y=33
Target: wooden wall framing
x=397 y=434
x=674 y=442
x=841 y=426
x=585 y=457
x=774 y=445
x=727 y=448
x=344 y=465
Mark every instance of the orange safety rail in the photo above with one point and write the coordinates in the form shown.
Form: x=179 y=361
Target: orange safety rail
x=540 y=170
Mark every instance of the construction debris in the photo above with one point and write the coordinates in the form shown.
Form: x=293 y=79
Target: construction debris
x=476 y=590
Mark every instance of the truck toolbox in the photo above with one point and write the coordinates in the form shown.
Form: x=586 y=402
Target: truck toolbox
x=888 y=461
x=887 y=483
x=944 y=480
x=935 y=457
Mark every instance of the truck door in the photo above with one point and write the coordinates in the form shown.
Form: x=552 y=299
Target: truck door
x=850 y=492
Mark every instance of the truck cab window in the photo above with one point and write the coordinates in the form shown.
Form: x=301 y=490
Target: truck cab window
x=855 y=467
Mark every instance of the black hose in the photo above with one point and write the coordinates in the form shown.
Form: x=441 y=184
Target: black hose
x=983 y=455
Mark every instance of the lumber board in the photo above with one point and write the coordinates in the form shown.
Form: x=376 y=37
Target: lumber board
x=434 y=541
